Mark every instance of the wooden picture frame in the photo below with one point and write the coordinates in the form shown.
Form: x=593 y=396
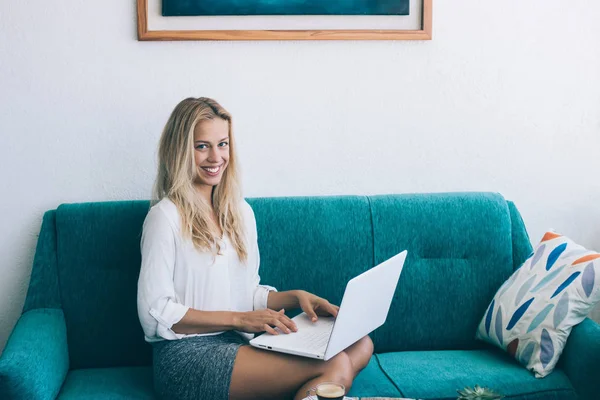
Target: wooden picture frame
x=424 y=33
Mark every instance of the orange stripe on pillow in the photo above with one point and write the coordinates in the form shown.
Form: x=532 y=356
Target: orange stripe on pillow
x=550 y=235
x=583 y=259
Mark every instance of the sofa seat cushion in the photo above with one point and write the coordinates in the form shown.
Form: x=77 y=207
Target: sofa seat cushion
x=372 y=382
x=108 y=384
x=439 y=374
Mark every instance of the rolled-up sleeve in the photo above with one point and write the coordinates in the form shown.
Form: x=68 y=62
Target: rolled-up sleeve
x=260 y=292
x=157 y=304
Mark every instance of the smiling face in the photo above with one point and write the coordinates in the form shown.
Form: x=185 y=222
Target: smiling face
x=211 y=153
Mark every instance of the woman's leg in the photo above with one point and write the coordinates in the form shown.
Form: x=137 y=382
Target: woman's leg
x=259 y=374
x=343 y=373
x=360 y=353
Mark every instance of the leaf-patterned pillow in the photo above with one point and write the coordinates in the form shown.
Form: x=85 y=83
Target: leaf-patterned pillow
x=533 y=312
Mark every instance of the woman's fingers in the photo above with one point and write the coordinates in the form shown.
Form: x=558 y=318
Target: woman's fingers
x=288 y=322
x=310 y=311
x=276 y=322
x=270 y=330
x=325 y=308
x=331 y=309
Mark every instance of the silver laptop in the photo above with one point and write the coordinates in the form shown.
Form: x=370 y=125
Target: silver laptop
x=364 y=308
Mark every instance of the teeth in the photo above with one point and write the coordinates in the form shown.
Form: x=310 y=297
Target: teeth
x=212 y=170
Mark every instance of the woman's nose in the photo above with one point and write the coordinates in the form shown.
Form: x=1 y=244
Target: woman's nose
x=213 y=154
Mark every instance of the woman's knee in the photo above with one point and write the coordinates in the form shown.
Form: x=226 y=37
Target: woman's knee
x=367 y=347
x=360 y=353
x=340 y=369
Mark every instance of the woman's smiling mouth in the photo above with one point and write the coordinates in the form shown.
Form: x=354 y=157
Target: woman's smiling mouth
x=213 y=171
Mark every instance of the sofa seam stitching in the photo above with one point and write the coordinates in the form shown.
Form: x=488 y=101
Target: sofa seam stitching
x=387 y=376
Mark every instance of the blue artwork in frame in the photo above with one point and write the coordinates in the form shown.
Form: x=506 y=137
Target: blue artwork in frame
x=283 y=7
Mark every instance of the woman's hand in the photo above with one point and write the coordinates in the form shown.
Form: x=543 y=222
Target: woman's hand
x=264 y=321
x=314 y=306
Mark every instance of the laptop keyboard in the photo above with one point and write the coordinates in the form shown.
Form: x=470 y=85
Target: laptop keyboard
x=310 y=338
x=314 y=339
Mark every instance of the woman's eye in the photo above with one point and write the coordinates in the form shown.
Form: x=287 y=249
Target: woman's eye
x=224 y=143
x=200 y=146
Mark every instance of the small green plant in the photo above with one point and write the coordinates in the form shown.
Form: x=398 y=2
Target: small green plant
x=478 y=393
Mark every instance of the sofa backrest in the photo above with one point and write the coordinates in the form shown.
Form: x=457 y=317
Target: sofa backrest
x=460 y=250
x=97 y=262
x=461 y=247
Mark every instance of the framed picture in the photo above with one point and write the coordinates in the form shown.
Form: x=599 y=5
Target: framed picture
x=284 y=19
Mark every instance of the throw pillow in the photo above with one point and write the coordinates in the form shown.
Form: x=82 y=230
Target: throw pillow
x=533 y=312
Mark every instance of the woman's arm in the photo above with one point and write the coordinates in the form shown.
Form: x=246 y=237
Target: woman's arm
x=309 y=303
x=283 y=300
x=158 y=309
x=195 y=321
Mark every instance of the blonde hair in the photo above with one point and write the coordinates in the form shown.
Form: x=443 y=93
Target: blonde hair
x=177 y=172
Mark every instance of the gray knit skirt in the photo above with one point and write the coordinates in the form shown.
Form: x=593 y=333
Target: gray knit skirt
x=195 y=368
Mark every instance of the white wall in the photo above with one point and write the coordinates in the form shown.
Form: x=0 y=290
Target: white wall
x=505 y=98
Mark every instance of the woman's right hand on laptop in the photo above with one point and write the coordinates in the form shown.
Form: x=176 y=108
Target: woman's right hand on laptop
x=264 y=321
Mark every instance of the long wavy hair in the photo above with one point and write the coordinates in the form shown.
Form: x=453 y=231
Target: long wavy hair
x=177 y=172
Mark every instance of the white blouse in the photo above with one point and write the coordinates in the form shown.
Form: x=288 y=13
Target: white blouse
x=175 y=276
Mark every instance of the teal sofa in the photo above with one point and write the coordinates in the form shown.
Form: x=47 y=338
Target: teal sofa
x=79 y=335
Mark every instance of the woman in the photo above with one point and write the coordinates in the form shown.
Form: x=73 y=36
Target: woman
x=199 y=297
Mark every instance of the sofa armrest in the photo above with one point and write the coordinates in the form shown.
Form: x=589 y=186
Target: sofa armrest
x=581 y=359
x=35 y=361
